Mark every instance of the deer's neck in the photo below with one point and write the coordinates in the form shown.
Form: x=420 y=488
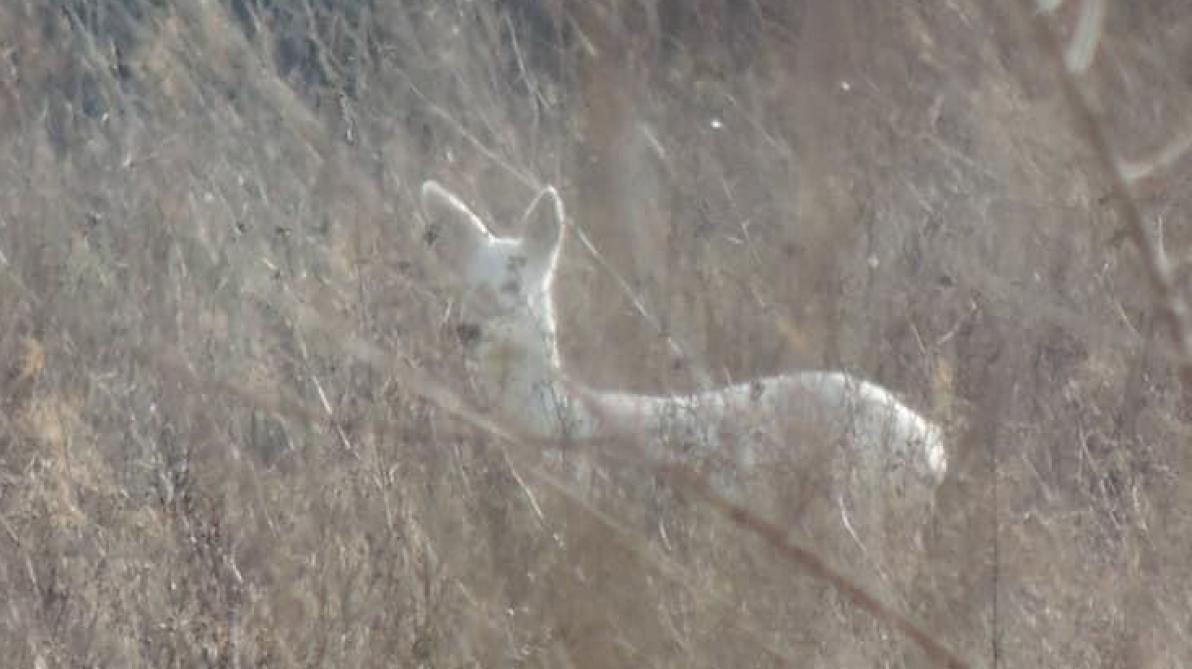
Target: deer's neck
x=533 y=395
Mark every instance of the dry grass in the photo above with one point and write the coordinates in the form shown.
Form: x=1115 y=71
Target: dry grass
x=236 y=429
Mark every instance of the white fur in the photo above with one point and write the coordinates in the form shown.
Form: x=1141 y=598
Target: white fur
x=508 y=284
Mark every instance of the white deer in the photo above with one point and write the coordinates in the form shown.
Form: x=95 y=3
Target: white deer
x=508 y=284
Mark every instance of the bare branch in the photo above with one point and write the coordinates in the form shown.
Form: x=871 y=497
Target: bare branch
x=1083 y=47
x=1159 y=270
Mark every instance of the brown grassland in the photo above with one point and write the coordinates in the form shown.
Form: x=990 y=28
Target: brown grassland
x=236 y=428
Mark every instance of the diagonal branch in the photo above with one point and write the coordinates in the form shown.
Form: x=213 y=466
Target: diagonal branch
x=776 y=537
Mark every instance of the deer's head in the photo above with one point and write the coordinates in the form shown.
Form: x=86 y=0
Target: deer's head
x=506 y=315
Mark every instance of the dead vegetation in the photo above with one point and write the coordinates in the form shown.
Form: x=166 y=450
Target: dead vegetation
x=235 y=428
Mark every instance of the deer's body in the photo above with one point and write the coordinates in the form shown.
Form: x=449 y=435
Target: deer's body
x=508 y=285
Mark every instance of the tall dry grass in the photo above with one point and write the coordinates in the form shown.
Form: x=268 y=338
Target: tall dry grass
x=237 y=429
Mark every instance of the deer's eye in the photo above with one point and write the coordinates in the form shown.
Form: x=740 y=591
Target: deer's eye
x=431 y=235
x=468 y=333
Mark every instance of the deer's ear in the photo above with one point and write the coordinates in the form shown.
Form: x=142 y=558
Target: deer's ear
x=452 y=230
x=543 y=224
